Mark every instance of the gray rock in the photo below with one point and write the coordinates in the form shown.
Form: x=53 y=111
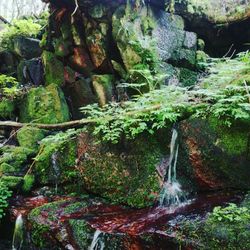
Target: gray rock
x=27 y=48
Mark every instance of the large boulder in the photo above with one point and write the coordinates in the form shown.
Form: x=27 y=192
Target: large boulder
x=215 y=155
x=125 y=173
x=44 y=105
x=27 y=48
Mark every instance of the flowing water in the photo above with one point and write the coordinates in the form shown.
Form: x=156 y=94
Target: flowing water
x=172 y=194
x=56 y=170
x=97 y=243
x=18 y=235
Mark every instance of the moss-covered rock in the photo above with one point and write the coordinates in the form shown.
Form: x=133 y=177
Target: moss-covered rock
x=7 y=109
x=56 y=162
x=12 y=182
x=218 y=155
x=97 y=41
x=125 y=173
x=53 y=69
x=214 y=11
x=103 y=86
x=44 y=105
x=29 y=137
x=17 y=157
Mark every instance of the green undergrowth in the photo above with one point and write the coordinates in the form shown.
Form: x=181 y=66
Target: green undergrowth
x=224 y=228
x=4 y=196
x=18 y=28
x=223 y=94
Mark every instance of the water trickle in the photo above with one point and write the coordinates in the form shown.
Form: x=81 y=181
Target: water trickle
x=97 y=243
x=56 y=169
x=172 y=194
x=18 y=235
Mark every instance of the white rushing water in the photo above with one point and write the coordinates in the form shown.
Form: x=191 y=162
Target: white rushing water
x=56 y=169
x=18 y=235
x=97 y=243
x=172 y=194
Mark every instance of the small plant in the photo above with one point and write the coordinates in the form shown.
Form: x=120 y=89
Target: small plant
x=5 y=194
x=17 y=29
x=229 y=214
x=9 y=87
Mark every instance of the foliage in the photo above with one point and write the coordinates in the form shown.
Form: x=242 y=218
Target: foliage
x=16 y=29
x=9 y=87
x=146 y=112
x=224 y=228
x=4 y=196
x=220 y=94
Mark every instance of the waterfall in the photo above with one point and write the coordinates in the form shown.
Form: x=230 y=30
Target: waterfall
x=97 y=243
x=56 y=169
x=18 y=233
x=172 y=194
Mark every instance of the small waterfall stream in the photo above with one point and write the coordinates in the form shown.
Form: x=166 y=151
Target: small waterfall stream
x=56 y=169
x=18 y=235
x=97 y=243
x=172 y=194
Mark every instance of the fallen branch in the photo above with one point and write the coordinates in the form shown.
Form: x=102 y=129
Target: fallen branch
x=59 y=126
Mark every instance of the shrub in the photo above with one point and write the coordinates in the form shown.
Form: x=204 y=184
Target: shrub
x=18 y=28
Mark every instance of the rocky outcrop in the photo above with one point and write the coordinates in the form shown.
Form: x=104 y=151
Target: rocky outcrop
x=217 y=155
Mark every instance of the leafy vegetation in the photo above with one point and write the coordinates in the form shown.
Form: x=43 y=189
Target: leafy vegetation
x=4 y=196
x=9 y=87
x=220 y=94
x=18 y=28
x=225 y=228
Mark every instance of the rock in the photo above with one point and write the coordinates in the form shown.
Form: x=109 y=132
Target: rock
x=80 y=61
x=8 y=62
x=214 y=11
x=171 y=42
x=31 y=71
x=53 y=69
x=27 y=48
x=97 y=42
x=29 y=137
x=79 y=94
x=56 y=162
x=124 y=173
x=16 y=157
x=103 y=86
x=217 y=155
x=44 y=105
x=7 y=109
x=62 y=48
x=12 y=182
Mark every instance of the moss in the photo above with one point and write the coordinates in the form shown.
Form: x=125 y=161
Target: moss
x=6 y=168
x=7 y=109
x=124 y=174
x=54 y=69
x=39 y=235
x=44 y=105
x=29 y=181
x=29 y=137
x=12 y=182
x=65 y=160
x=17 y=157
x=62 y=49
x=233 y=140
x=103 y=86
x=82 y=233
